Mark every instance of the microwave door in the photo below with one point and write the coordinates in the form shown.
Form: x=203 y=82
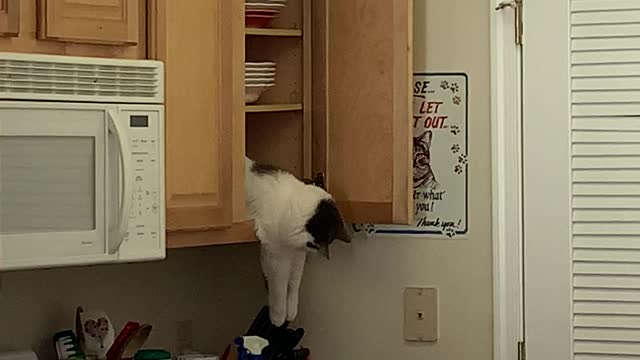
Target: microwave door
x=52 y=185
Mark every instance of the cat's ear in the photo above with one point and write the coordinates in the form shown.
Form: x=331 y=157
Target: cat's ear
x=421 y=136
x=428 y=137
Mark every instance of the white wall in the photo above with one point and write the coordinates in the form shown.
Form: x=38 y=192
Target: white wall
x=353 y=305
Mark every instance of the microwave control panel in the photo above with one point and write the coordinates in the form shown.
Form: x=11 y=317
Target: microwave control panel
x=146 y=226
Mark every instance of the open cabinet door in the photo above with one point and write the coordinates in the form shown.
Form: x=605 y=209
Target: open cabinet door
x=362 y=52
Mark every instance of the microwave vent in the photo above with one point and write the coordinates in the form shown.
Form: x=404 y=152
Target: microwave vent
x=65 y=78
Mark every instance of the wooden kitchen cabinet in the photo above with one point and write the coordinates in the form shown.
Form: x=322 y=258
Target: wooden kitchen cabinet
x=103 y=28
x=341 y=106
x=195 y=43
x=89 y=21
x=9 y=17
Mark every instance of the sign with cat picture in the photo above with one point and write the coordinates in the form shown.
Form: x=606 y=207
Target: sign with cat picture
x=439 y=158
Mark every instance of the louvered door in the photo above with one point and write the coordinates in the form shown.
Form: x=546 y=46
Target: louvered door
x=582 y=179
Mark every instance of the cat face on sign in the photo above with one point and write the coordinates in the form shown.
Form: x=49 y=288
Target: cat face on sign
x=325 y=226
x=422 y=171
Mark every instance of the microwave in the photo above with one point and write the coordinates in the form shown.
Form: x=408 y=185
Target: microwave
x=81 y=161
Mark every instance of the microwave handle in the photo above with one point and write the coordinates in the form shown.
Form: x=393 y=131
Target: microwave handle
x=127 y=183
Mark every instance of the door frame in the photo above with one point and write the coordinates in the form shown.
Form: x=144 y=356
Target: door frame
x=547 y=172
x=506 y=164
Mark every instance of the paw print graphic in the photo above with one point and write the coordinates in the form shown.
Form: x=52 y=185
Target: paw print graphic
x=458 y=169
x=455 y=148
x=449 y=231
x=455 y=129
x=456 y=100
x=444 y=84
x=367 y=228
x=462 y=159
x=454 y=88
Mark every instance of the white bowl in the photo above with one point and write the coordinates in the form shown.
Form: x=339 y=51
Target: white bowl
x=252 y=92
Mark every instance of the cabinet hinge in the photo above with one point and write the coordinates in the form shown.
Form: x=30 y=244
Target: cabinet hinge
x=317 y=181
x=522 y=354
x=516 y=5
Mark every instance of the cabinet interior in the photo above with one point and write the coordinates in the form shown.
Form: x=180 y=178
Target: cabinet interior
x=278 y=124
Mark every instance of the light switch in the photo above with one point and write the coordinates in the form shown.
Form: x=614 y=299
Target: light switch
x=421 y=314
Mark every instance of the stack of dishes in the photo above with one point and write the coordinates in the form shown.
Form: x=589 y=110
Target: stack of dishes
x=260 y=13
x=258 y=78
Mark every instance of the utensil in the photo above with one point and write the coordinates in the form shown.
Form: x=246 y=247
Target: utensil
x=129 y=341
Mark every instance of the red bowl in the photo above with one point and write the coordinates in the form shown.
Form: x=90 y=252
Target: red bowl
x=261 y=12
x=257 y=21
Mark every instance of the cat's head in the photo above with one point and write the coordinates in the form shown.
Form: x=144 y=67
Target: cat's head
x=325 y=226
x=422 y=156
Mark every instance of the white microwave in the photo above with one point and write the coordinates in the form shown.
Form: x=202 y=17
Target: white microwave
x=81 y=161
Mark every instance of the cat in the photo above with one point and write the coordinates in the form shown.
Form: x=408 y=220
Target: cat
x=291 y=218
x=423 y=176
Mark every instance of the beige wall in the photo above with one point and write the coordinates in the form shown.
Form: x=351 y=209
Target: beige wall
x=192 y=285
x=352 y=306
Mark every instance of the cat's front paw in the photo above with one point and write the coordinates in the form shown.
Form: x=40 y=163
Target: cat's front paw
x=277 y=317
x=292 y=313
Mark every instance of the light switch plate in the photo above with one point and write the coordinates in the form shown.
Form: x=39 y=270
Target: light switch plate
x=421 y=314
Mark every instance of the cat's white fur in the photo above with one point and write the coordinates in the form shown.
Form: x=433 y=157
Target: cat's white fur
x=280 y=206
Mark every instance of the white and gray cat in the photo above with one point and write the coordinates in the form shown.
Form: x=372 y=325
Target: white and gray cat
x=291 y=218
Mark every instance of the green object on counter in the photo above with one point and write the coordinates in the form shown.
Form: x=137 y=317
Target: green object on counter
x=152 y=354
x=67 y=346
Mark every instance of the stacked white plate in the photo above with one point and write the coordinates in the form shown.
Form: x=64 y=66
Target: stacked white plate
x=258 y=78
x=260 y=13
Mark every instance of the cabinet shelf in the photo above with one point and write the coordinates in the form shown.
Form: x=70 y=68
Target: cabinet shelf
x=273 y=108
x=273 y=32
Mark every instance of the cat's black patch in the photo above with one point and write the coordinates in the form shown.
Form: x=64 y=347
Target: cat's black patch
x=265 y=169
x=323 y=225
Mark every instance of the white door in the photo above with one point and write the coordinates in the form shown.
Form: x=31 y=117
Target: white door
x=581 y=179
x=54 y=206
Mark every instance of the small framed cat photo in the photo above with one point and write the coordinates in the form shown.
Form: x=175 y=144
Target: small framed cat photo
x=440 y=158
